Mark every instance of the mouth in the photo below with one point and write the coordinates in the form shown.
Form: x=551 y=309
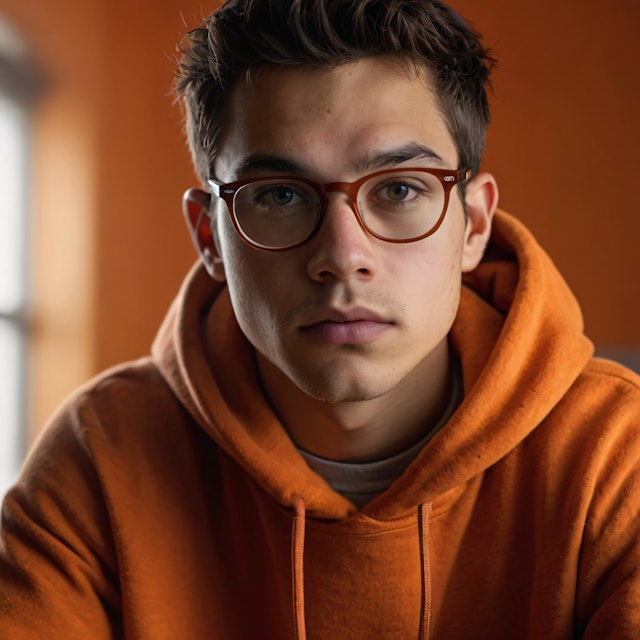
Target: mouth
x=354 y=326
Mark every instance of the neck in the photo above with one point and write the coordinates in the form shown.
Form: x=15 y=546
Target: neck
x=365 y=430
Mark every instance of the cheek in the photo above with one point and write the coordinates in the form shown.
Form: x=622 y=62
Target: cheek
x=241 y=275
x=435 y=280
x=252 y=308
x=436 y=265
x=254 y=289
x=244 y=282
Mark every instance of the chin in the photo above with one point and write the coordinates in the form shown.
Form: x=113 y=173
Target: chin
x=340 y=390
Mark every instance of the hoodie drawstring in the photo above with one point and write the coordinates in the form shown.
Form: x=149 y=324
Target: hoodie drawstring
x=424 y=511
x=297 y=566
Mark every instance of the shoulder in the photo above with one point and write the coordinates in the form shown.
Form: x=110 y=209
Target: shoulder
x=119 y=439
x=590 y=440
x=600 y=413
x=613 y=371
x=607 y=392
x=593 y=442
x=121 y=382
x=124 y=419
x=132 y=397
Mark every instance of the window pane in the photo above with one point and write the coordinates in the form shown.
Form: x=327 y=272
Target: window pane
x=11 y=379
x=12 y=203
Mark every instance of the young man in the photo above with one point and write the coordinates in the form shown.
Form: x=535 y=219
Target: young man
x=371 y=412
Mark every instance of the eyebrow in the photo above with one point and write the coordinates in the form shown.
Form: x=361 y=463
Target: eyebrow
x=260 y=161
x=272 y=163
x=393 y=157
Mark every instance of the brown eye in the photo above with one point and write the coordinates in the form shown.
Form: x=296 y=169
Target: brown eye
x=396 y=192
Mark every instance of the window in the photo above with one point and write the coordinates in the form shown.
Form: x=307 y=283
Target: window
x=14 y=163
x=13 y=135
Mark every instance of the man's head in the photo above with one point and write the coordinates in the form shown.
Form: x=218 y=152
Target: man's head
x=245 y=35
x=333 y=220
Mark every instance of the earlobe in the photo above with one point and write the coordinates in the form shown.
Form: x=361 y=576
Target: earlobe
x=481 y=199
x=196 y=205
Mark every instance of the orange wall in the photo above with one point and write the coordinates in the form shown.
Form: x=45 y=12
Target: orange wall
x=111 y=165
x=565 y=140
x=143 y=248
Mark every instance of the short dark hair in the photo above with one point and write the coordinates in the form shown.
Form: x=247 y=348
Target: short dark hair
x=244 y=35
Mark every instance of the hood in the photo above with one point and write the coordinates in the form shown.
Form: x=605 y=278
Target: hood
x=518 y=335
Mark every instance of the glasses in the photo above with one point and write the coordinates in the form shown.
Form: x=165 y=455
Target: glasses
x=395 y=205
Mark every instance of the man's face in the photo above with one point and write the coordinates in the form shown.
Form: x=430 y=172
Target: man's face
x=346 y=317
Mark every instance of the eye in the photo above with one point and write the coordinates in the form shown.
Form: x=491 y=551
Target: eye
x=396 y=192
x=282 y=195
x=279 y=195
x=399 y=189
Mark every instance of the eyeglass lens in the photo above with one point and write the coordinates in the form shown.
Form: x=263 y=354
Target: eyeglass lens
x=396 y=206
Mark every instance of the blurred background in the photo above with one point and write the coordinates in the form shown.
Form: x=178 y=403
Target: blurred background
x=93 y=164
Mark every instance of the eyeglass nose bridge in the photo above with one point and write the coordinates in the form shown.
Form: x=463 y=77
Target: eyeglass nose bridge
x=348 y=189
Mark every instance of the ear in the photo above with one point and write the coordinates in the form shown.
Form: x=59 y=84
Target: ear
x=200 y=219
x=481 y=200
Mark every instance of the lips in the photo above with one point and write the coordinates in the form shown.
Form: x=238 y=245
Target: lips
x=353 y=326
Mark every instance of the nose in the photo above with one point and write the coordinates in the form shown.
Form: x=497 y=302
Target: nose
x=341 y=249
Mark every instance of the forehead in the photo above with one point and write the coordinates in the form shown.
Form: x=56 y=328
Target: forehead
x=331 y=122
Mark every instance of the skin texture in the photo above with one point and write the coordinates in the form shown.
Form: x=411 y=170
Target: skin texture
x=350 y=331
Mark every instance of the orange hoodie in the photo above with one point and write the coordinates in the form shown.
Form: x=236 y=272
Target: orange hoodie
x=166 y=502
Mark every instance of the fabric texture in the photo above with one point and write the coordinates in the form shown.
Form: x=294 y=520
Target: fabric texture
x=166 y=501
